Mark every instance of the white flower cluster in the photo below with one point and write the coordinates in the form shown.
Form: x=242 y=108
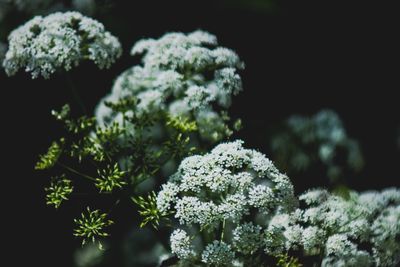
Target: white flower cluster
x=185 y=75
x=181 y=245
x=363 y=230
x=218 y=253
x=218 y=191
x=307 y=141
x=247 y=238
x=59 y=41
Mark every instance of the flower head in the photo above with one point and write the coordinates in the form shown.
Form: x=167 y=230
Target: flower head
x=247 y=238
x=181 y=244
x=59 y=41
x=218 y=253
x=91 y=226
x=320 y=139
x=59 y=190
x=185 y=75
x=338 y=229
x=228 y=170
x=224 y=187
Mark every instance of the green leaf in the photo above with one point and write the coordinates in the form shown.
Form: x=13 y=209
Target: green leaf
x=81 y=125
x=122 y=105
x=285 y=260
x=181 y=124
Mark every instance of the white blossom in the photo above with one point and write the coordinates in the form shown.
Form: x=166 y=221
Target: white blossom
x=197 y=97
x=218 y=253
x=213 y=172
x=219 y=192
x=233 y=207
x=338 y=229
x=315 y=196
x=211 y=125
x=59 y=41
x=312 y=239
x=190 y=82
x=167 y=196
x=181 y=244
x=262 y=196
x=306 y=142
x=247 y=238
x=385 y=237
x=190 y=210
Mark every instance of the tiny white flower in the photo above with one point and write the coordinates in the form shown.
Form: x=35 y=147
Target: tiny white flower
x=218 y=253
x=247 y=238
x=44 y=45
x=181 y=245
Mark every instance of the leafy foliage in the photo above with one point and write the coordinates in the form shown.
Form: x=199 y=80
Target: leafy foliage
x=285 y=260
x=181 y=124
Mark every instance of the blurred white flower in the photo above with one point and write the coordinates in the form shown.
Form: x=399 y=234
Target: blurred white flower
x=308 y=142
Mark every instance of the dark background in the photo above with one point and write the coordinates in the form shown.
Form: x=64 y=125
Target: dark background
x=300 y=56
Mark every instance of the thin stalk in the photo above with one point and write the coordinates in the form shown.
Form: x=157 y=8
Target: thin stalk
x=75 y=93
x=113 y=206
x=76 y=172
x=223 y=230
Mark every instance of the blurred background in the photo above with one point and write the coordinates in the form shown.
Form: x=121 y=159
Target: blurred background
x=300 y=56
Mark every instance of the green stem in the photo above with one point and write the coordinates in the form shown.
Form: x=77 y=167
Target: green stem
x=76 y=172
x=113 y=206
x=125 y=137
x=75 y=94
x=223 y=230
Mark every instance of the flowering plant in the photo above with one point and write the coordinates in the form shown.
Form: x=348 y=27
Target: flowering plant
x=162 y=140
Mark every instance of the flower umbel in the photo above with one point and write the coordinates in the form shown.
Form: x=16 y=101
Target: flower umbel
x=60 y=188
x=59 y=41
x=110 y=178
x=212 y=195
x=91 y=226
x=174 y=79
